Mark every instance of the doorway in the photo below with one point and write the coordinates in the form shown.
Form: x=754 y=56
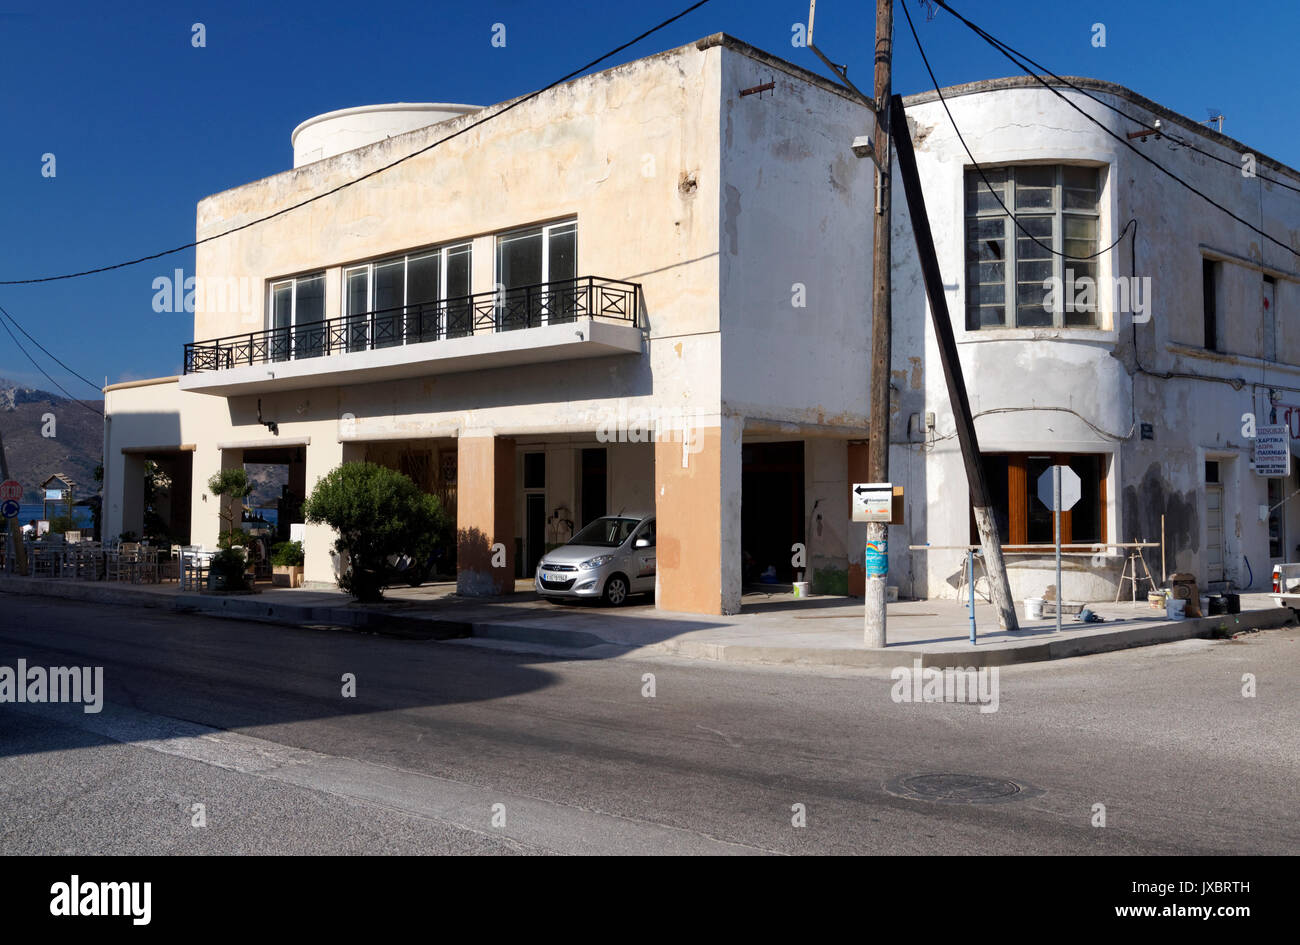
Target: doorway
x=595 y=485
x=771 y=510
x=1213 y=521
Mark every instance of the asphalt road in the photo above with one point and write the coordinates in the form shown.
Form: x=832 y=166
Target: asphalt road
x=459 y=748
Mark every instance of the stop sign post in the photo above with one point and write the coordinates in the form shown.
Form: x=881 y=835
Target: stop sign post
x=1058 y=489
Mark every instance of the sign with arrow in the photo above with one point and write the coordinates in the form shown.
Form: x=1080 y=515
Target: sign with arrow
x=872 y=501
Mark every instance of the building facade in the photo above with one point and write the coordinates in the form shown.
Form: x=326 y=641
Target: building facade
x=649 y=289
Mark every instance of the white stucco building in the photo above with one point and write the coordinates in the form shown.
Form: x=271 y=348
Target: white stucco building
x=501 y=315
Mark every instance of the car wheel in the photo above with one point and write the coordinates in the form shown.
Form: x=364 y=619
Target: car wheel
x=616 y=591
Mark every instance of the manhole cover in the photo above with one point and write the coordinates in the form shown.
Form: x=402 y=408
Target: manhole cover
x=958 y=788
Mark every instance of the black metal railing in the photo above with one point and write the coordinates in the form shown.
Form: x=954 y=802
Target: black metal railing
x=529 y=306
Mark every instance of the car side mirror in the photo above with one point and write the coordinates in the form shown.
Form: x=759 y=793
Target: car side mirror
x=641 y=543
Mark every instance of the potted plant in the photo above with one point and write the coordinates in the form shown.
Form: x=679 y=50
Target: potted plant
x=286 y=559
x=226 y=571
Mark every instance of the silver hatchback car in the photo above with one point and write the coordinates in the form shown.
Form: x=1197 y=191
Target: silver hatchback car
x=611 y=558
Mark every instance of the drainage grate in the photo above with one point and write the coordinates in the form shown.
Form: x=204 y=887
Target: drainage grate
x=958 y=788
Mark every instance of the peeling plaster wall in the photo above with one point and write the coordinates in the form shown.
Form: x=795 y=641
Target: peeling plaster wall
x=796 y=220
x=615 y=150
x=1090 y=378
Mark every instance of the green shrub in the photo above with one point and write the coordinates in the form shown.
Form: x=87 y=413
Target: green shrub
x=377 y=512
x=287 y=554
x=229 y=563
x=233 y=485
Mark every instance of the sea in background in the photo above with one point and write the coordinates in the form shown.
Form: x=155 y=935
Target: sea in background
x=80 y=514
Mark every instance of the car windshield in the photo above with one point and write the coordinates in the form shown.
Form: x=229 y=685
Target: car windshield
x=606 y=532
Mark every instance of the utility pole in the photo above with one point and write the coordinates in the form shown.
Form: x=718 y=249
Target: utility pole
x=15 y=527
x=994 y=565
x=873 y=634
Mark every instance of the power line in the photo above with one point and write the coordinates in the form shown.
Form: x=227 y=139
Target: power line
x=98 y=413
x=97 y=387
x=1011 y=54
x=1014 y=219
x=984 y=34
x=379 y=170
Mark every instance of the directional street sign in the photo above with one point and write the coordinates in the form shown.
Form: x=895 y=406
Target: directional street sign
x=1070 y=488
x=9 y=508
x=872 y=501
x=11 y=489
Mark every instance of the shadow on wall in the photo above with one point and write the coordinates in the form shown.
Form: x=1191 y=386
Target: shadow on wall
x=484 y=569
x=1151 y=498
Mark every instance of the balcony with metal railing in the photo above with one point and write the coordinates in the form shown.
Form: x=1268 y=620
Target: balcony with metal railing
x=576 y=318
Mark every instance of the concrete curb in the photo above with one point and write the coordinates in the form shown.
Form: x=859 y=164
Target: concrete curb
x=243 y=607
x=555 y=642
x=1100 y=642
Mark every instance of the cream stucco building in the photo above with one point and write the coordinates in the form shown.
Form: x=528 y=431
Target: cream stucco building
x=507 y=314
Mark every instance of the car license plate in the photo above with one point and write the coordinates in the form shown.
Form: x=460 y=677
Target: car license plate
x=551 y=576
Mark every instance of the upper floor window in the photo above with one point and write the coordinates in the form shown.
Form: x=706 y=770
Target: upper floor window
x=1015 y=277
x=296 y=313
x=398 y=301
x=535 y=271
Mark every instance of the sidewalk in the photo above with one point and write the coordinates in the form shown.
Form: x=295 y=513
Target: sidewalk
x=771 y=628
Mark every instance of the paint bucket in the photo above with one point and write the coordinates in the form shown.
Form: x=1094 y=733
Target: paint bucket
x=801 y=589
x=1157 y=600
x=1034 y=608
x=1174 y=608
x=1205 y=604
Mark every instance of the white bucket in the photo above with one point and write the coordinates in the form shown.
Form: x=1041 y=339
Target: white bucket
x=1174 y=608
x=1205 y=606
x=1034 y=608
x=801 y=589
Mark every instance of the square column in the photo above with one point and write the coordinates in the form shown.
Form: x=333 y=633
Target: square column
x=485 y=515
x=697 y=511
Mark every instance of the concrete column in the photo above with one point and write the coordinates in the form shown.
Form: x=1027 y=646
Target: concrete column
x=132 y=492
x=320 y=564
x=697 y=508
x=230 y=459
x=485 y=515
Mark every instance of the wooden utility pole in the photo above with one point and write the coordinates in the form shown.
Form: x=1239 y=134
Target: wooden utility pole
x=15 y=526
x=881 y=328
x=994 y=566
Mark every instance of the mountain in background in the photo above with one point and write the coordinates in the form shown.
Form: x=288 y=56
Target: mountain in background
x=74 y=450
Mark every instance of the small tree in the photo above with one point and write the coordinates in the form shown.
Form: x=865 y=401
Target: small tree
x=378 y=513
x=231 y=485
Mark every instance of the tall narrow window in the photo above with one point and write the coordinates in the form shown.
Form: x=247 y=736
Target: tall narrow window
x=535 y=270
x=1036 y=270
x=296 y=312
x=1209 y=291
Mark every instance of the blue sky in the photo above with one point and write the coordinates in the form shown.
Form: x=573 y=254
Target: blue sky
x=143 y=125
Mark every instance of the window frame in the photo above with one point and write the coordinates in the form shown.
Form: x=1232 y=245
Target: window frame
x=545 y=232
x=444 y=252
x=280 y=335
x=1011 y=234
x=1021 y=495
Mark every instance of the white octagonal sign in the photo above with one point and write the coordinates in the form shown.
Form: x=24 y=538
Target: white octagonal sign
x=1070 y=490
